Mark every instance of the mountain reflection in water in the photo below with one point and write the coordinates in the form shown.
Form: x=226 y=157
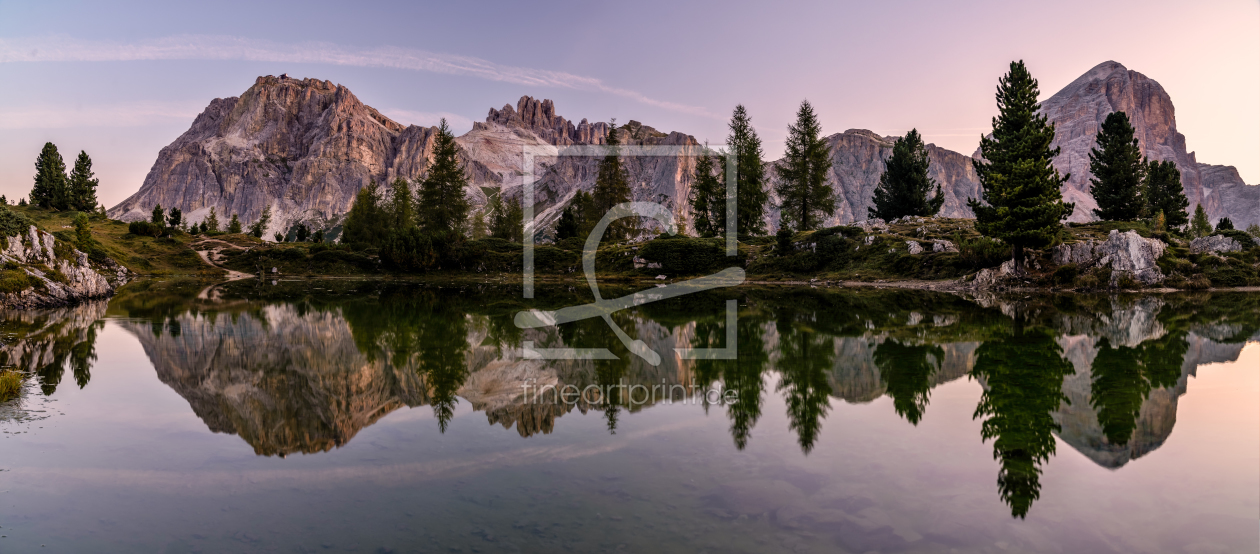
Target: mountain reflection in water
x=296 y=369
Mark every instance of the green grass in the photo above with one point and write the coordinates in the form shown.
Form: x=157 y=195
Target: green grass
x=10 y=384
x=143 y=255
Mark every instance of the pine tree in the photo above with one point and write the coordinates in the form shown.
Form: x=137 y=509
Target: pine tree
x=612 y=187
x=442 y=191
x=82 y=184
x=1117 y=166
x=479 y=225
x=22 y=201
x=1164 y=193
x=802 y=187
x=174 y=218
x=260 y=226
x=234 y=226
x=903 y=188
x=3 y=201
x=211 y=222
x=1199 y=225
x=83 y=232
x=1022 y=203
x=751 y=195
x=50 y=186
x=1225 y=224
x=303 y=232
x=159 y=216
x=506 y=221
x=567 y=227
x=364 y=224
x=318 y=237
x=401 y=205
x=708 y=198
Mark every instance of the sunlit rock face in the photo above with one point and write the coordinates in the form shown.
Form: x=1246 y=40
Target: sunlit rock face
x=305 y=147
x=35 y=253
x=1078 y=110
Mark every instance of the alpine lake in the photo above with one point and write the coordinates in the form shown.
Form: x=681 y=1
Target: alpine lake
x=401 y=416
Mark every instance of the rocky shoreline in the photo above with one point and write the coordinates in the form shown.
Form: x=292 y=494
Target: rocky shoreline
x=54 y=274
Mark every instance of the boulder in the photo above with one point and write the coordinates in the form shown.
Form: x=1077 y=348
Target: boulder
x=1125 y=253
x=61 y=281
x=1214 y=243
x=943 y=246
x=914 y=247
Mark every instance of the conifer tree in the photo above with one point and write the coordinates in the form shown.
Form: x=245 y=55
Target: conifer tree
x=159 y=216
x=175 y=218
x=442 y=191
x=318 y=237
x=50 y=186
x=802 y=186
x=211 y=223
x=479 y=225
x=708 y=198
x=3 y=201
x=401 y=205
x=506 y=221
x=303 y=232
x=83 y=231
x=234 y=226
x=363 y=225
x=1225 y=224
x=1117 y=166
x=751 y=195
x=612 y=187
x=22 y=201
x=567 y=226
x=903 y=188
x=263 y=221
x=1164 y=193
x=82 y=184
x=1022 y=203
x=1199 y=225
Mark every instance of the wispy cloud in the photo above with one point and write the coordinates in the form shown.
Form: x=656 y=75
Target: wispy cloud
x=135 y=114
x=217 y=47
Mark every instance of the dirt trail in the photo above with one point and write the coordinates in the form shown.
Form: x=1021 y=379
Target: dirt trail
x=211 y=256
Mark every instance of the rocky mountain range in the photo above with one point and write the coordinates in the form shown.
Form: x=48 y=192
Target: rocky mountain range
x=305 y=147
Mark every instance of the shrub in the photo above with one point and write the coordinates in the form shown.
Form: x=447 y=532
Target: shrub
x=145 y=229
x=13 y=279
x=982 y=252
x=1126 y=281
x=1065 y=274
x=1243 y=238
x=686 y=256
x=13 y=223
x=10 y=384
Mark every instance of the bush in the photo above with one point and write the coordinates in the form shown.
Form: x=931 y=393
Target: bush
x=1065 y=274
x=1243 y=238
x=145 y=229
x=10 y=384
x=13 y=223
x=13 y=279
x=982 y=252
x=686 y=256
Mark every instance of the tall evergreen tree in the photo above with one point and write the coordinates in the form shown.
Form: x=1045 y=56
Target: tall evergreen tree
x=507 y=220
x=802 y=186
x=401 y=205
x=1117 y=166
x=903 y=188
x=708 y=198
x=442 y=191
x=1022 y=203
x=1164 y=193
x=612 y=187
x=364 y=223
x=50 y=189
x=479 y=230
x=211 y=222
x=234 y=226
x=158 y=216
x=751 y=195
x=82 y=184
x=175 y=218
x=1200 y=226
x=260 y=226
x=567 y=227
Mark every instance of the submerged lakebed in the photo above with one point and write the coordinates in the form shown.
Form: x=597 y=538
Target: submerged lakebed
x=373 y=416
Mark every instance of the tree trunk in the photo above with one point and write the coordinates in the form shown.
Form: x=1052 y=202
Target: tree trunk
x=1018 y=250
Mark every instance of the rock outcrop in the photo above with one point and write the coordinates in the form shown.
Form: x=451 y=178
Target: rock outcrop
x=55 y=276
x=1125 y=253
x=1214 y=243
x=1078 y=110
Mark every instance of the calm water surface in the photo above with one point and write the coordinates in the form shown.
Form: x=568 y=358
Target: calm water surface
x=377 y=417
